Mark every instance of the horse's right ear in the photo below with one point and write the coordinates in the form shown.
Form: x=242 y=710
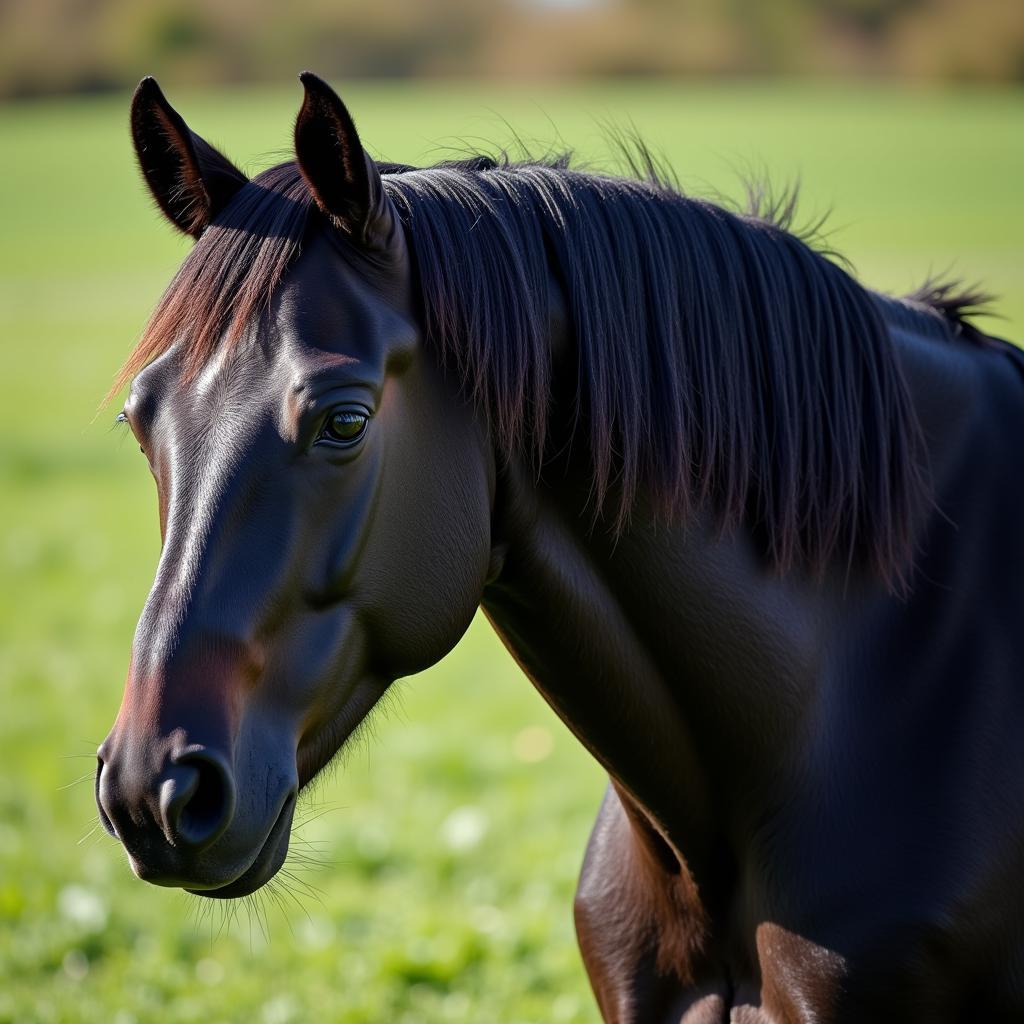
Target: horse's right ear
x=188 y=178
x=344 y=180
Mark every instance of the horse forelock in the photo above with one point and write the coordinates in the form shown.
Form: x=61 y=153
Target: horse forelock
x=230 y=274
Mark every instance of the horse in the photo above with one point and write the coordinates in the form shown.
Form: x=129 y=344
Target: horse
x=750 y=528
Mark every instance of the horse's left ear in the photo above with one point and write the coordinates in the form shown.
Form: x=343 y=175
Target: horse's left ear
x=343 y=178
x=190 y=180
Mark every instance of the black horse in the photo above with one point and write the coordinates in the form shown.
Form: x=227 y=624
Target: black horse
x=751 y=529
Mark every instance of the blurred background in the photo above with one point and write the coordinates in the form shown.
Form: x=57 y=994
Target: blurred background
x=97 y=45
x=433 y=873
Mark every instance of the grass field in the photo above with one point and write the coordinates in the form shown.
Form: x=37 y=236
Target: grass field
x=451 y=840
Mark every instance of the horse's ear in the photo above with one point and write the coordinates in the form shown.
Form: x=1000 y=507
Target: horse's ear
x=188 y=178
x=343 y=178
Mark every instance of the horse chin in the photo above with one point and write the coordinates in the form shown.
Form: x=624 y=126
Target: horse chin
x=265 y=865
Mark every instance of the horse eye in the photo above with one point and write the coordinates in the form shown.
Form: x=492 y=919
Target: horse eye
x=120 y=420
x=344 y=427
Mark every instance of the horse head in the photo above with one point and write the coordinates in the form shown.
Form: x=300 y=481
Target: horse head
x=324 y=497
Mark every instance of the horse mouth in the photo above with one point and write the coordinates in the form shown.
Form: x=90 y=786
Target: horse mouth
x=265 y=864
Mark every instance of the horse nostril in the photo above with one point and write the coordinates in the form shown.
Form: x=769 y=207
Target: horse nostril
x=197 y=798
x=104 y=819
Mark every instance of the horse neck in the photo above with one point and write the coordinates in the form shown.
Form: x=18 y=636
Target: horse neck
x=669 y=651
x=701 y=680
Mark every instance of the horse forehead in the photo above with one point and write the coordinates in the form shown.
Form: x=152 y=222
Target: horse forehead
x=326 y=305
x=231 y=383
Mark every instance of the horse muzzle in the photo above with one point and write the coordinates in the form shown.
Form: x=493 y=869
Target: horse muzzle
x=176 y=808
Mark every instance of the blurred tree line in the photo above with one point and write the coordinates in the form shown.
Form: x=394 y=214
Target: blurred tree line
x=90 y=45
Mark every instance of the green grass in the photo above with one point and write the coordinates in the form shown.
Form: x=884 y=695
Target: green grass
x=455 y=834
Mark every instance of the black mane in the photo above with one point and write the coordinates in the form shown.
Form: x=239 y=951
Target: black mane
x=722 y=361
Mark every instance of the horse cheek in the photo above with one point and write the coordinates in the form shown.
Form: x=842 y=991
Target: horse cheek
x=430 y=547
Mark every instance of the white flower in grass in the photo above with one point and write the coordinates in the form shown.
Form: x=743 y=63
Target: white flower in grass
x=282 y=1009
x=75 y=964
x=83 y=907
x=464 y=828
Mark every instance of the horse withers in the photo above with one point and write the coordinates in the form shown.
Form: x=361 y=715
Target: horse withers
x=750 y=528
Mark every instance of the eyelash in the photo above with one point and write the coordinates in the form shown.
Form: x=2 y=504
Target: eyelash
x=121 y=422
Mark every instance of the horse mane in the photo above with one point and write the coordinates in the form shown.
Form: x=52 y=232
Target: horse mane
x=953 y=304
x=722 y=361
